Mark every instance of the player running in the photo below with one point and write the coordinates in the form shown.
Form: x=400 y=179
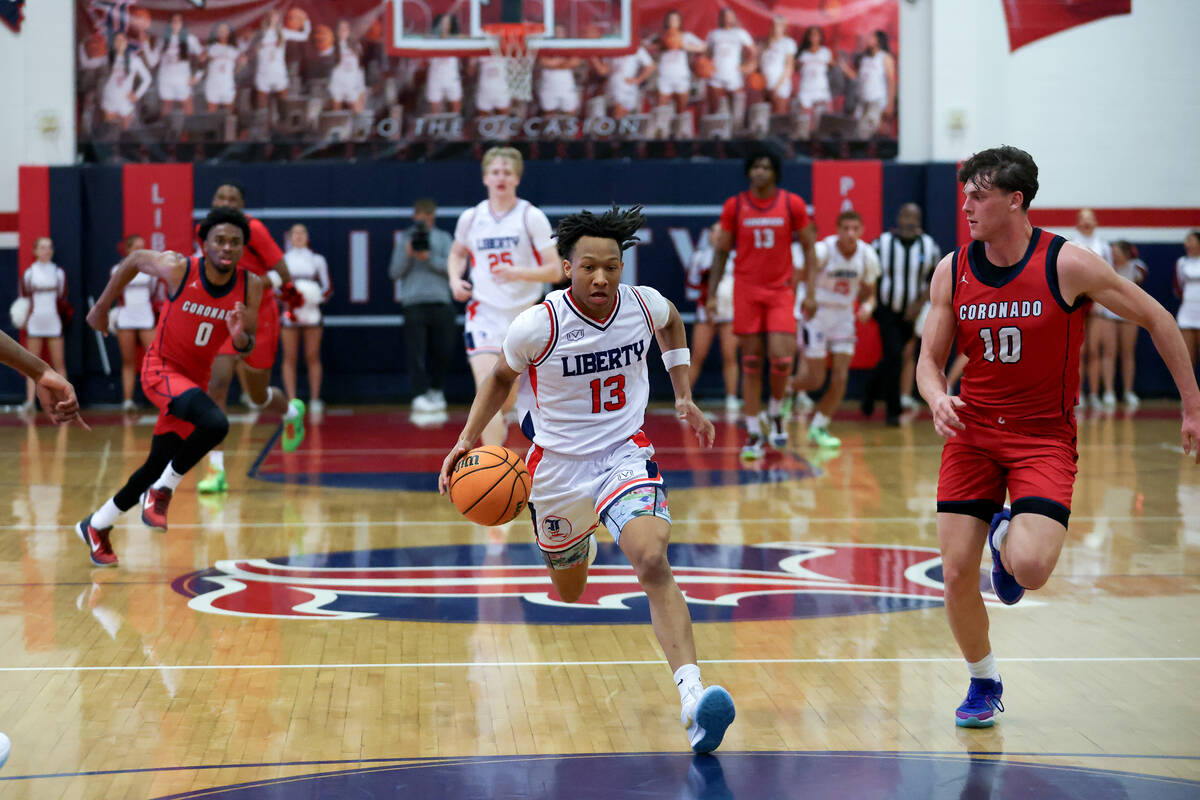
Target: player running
x=210 y=300
x=586 y=350
x=1012 y=300
x=506 y=243
x=260 y=256
x=760 y=224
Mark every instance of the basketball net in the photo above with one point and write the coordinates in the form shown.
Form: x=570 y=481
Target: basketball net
x=510 y=42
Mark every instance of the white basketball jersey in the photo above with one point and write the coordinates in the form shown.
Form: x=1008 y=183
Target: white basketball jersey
x=511 y=240
x=588 y=376
x=837 y=285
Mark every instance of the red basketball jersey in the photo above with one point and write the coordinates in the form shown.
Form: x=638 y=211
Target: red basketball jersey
x=192 y=327
x=763 y=231
x=1021 y=338
x=260 y=253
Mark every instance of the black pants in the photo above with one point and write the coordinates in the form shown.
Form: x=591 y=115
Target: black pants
x=428 y=342
x=894 y=333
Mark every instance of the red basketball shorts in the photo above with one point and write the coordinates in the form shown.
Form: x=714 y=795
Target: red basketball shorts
x=162 y=384
x=266 y=338
x=763 y=309
x=982 y=464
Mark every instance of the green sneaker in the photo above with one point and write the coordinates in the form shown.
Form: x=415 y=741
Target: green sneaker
x=293 y=429
x=214 y=483
x=789 y=405
x=821 y=437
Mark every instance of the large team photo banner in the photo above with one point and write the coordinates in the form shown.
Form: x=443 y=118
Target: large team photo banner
x=162 y=80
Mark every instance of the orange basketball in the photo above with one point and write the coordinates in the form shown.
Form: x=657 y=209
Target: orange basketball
x=295 y=18
x=490 y=485
x=756 y=82
x=672 y=40
x=704 y=67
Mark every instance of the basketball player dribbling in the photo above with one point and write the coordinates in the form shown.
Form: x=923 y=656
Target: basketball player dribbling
x=1012 y=300
x=506 y=243
x=260 y=256
x=760 y=225
x=210 y=299
x=586 y=349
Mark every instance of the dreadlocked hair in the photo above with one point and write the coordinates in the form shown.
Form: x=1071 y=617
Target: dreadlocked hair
x=620 y=226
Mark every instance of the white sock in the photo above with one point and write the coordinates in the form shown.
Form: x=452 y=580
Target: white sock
x=984 y=668
x=774 y=407
x=752 y=424
x=169 y=479
x=819 y=420
x=216 y=460
x=106 y=515
x=999 y=534
x=687 y=678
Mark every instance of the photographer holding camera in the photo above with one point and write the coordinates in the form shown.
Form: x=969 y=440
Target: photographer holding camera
x=419 y=264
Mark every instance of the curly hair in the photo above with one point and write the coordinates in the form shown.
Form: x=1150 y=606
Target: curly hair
x=620 y=226
x=224 y=215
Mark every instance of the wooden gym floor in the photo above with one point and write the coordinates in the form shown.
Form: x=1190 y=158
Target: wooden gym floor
x=331 y=628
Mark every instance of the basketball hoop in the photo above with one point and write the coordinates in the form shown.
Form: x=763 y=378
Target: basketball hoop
x=510 y=41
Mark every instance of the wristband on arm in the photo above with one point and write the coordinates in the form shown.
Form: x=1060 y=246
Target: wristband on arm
x=674 y=358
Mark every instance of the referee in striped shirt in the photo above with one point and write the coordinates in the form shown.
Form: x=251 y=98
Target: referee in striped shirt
x=907 y=257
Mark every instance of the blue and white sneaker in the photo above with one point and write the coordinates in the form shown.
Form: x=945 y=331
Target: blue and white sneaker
x=706 y=716
x=982 y=703
x=5 y=747
x=1004 y=585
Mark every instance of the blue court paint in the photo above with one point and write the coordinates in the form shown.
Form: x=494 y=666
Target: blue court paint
x=722 y=776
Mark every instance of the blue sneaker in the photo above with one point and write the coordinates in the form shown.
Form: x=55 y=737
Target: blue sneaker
x=982 y=703
x=1004 y=585
x=706 y=717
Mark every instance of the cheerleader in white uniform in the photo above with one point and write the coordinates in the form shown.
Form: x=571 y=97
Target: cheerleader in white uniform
x=876 y=76
x=731 y=47
x=223 y=57
x=310 y=273
x=1098 y=360
x=814 y=94
x=674 y=72
x=558 y=91
x=172 y=55
x=443 y=82
x=777 y=65
x=347 y=84
x=1130 y=267
x=128 y=80
x=45 y=284
x=1187 y=280
x=625 y=76
x=134 y=320
x=492 y=95
x=270 y=75
x=720 y=326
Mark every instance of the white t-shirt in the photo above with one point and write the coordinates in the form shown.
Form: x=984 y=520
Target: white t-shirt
x=839 y=279
x=589 y=377
x=775 y=58
x=727 y=44
x=814 y=72
x=872 y=78
x=514 y=240
x=674 y=63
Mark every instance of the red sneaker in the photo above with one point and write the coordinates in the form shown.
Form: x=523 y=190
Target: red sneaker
x=154 y=508
x=100 y=550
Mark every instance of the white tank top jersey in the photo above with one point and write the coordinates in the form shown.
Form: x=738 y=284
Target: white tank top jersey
x=727 y=44
x=513 y=240
x=137 y=308
x=837 y=286
x=872 y=78
x=588 y=376
x=674 y=63
x=775 y=57
x=629 y=66
x=1187 y=272
x=814 y=71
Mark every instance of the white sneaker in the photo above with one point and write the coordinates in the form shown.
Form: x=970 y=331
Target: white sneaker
x=1132 y=401
x=316 y=408
x=706 y=715
x=907 y=403
x=1109 y=400
x=437 y=398
x=423 y=405
x=1093 y=401
x=5 y=747
x=732 y=403
x=778 y=435
x=804 y=403
x=128 y=406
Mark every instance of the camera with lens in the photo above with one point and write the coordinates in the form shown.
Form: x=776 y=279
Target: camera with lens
x=420 y=238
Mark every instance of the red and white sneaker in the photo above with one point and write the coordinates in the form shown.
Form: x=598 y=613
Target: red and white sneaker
x=100 y=550
x=154 y=508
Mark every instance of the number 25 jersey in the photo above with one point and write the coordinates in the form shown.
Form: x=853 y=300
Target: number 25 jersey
x=588 y=376
x=192 y=326
x=1021 y=339
x=510 y=240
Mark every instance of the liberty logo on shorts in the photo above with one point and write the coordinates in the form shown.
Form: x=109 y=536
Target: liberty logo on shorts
x=556 y=528
x=464 y=583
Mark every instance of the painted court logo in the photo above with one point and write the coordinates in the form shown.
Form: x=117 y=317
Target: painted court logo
x=780 y=580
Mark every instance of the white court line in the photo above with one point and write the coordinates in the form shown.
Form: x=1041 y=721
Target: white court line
x=643 y=663
x=462 y=523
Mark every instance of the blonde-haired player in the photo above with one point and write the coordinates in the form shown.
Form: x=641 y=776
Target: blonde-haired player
x=588 y=347
x=506 y=244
